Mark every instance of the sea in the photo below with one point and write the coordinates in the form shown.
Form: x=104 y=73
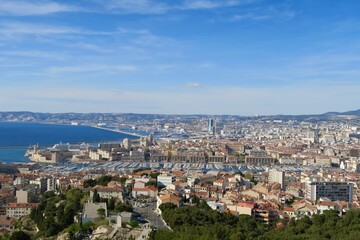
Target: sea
x=16 y=137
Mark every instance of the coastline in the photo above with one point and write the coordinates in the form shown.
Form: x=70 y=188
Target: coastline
x=15 y=152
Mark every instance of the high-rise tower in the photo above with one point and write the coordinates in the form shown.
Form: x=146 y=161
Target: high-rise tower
x=211 y=126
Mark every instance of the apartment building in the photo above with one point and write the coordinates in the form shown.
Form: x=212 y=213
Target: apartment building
x=17 y=210
x=334 y=191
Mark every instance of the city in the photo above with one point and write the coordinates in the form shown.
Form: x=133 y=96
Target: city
x=269 y=169
x=179 y=120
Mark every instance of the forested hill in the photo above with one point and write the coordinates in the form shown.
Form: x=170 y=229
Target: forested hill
x=202 y=223
x=323 y=226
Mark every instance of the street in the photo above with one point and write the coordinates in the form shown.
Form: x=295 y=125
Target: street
x=150 y=215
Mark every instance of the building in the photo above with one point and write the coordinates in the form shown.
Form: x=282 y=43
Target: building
x=7 y=224
x=28 y=194
x=334 y=191
x=108 y=192
x=22 y=196
x=168 y=198
x=218 y=206
x=265 y=215
x=51 y=184
x=313 y=135
x=211 y=126
x=277 y=176
x=145 y=142
x=164 y=180
x=41 y=182
x=127 y=143
x=123 y=217
x=150 y=191
x=20 y=181
x=259 y=160
x=245 y=208
x=17 y=210
x=91 y=211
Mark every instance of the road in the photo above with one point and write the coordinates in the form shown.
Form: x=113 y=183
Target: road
x=145 y=233
x=150 y=215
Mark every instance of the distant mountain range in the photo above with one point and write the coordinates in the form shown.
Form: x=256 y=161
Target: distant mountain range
x=134 y=117
x=355 y=113
x=329 y=116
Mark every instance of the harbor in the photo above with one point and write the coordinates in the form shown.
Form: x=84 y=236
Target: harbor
x=128 y=166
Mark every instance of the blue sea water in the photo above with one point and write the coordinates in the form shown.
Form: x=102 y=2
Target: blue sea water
x=27 y=134
x=9 y=155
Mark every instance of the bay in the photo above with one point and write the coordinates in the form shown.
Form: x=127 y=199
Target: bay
x=15 y=137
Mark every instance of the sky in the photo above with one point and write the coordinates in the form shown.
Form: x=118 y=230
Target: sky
x=241 y=57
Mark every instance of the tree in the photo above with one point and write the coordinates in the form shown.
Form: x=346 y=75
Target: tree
x=111 y=204
x=101 y=213
x=48 y=194
x=165 y=206
x=133 y=223
x=248 y=176
x=20 y=235
x=89 y=183
x=123 y=207
x=201 y=222
x=68 y=217
x=123 y=180
x=96 y=197
x=154 y=174
x=151 y=183
x=104 y=180
x=60 y=213
x=51 y=217
x=194 y=199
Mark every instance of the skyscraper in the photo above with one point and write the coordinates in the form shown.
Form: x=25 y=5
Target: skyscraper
x=211 y=126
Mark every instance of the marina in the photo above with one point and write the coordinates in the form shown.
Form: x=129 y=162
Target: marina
x=128 y=167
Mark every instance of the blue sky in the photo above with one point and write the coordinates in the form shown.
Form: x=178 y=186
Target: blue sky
x=239 y=57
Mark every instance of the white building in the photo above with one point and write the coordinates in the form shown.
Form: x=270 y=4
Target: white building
x=277 y=176
x=218 y=206
x=108 y=192
x=334 y=191
x=22 y=196
x=164 y=180
x=51 y=184
x=17 y=210
x=127 y=143
x=41 y=182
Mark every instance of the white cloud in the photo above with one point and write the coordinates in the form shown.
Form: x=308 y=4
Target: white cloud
x=35 y=54
x=160 y=7
x=44 y=7
x=192 y=85
x=249 y=16
x=261 y=13
x=133 y=31
x=33 y=7
x=134 y=6
x=210 y=4
x=92 y=68
x=13 y=28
